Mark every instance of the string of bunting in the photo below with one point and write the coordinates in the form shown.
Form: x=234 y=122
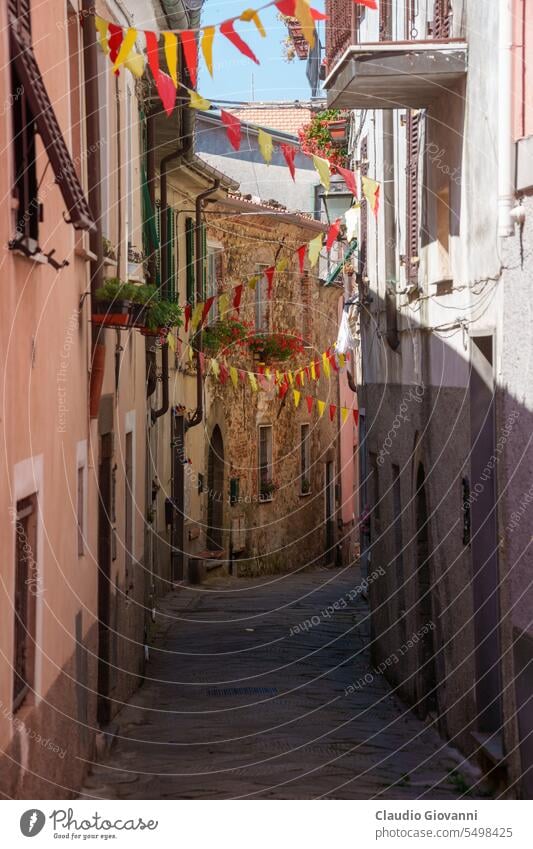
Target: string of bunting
x=120 y=44
x=283 y=382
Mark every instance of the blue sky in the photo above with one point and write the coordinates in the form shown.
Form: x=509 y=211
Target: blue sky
x=238 y=78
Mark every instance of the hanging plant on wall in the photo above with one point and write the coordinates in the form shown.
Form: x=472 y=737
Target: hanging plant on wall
x=325 y=136
x=275 y=347
x=224 y=335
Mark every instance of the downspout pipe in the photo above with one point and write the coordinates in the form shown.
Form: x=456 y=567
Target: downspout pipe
x=389 y=194
x=198 y=414
x=505 y=120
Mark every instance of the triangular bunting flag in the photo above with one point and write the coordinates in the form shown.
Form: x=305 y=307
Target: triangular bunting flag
x=289 y=152
x=207 y=306
x=309 y=400
x=344 y=413
x=352 y=217
x=321 y=406
x=171 y=54
x=356 y=417
x=190 y=52
x=234 y=375
x=167 y=92
x=223 y=304
x=207 y=47
x=253 y=381
x=349 y=178
x=313 y=371
x=252 y=15
x=314 y=247
x=233 y=128
x=301 y=257
x=228 y=29
x=116 y=36
x=333 y=232
x=126 y=47
x=303 y=14
x=296 y=395
x=266 y=147
x=325 y=362
x=152 y=52
x=215 y=367
x=323 y=170
x=332 y=411
x=237 y=295
x=187 y=313
x=198 y=102
x=371 y=192
x=269 y=274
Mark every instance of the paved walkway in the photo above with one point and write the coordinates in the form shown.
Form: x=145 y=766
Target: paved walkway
x=236 y=704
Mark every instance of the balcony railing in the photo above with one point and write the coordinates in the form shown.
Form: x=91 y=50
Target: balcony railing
x=393 y=59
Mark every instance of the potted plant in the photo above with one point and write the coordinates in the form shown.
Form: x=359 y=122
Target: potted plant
x=113 y=301
x=317 y=136
x=160 y=317
x=275 y=347
x=305 y=486
x=268 y=488
x=223 y=335
x=141 y=299
x=108 y=250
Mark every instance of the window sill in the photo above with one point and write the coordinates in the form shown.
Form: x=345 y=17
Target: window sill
x=305 y=494
x=265 y=499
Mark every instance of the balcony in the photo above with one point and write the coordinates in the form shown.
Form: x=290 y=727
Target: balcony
x=369 y=67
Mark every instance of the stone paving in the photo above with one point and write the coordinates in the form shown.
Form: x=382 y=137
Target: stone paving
x=237 y=705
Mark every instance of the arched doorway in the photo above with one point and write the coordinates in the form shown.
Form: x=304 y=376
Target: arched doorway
x=427 y=677
x=215 y=490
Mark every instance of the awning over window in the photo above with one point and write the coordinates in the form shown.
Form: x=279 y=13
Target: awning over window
x=48 y=127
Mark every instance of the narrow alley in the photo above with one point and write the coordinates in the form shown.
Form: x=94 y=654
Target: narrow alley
x=256 y=689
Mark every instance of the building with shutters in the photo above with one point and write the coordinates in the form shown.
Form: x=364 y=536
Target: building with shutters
x=445 y=413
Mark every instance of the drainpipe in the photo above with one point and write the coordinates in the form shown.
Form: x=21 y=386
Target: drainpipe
x=505 y=120
x=197 y=416
x=389 y=194
x=92 y=127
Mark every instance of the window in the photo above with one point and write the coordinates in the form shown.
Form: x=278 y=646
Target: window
x=26 y=586
x=262 y=306
x=305 y=459
x=411 y=248
x=80 y=509
x=189 y=253
x=25 y=188
x=266 y=484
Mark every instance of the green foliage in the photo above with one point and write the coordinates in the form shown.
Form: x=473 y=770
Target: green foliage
x=163 y=314
x=224 y=334
x=115 y=289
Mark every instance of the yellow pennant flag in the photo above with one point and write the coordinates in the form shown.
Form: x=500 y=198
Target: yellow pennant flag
x=253 y=381
x=297 y=395
x=223 y=303
x=171 y=55
x=198 y=102
x=278 y=376
x=291 y=377
x=302 y=12
x=234 y=374
x=342 y=360
x=314 y=247
x=321 y=405
x=171 y=339
x=325 y=363
x=253 y=281
x=313 y=370
x=136 y=64
x=128 y=43
x=371 y=192
x=251 y=15
x=344 y=414
x=268 y=373
x=215 y=368
x=323 y=170
x=302 y=376
x=102 y=28
x=207 y=47
x=282 y=264
x=196 y=316
x=264 y=141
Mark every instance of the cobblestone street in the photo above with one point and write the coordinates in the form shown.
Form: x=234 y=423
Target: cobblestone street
x=235 y=705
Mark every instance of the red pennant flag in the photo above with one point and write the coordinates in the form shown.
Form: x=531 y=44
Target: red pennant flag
x=167 y=92
x=116 y=36
x=298 y=379
x=356 y=417
x=237 y=295
x=332 y=411
x=242 y=375
x=283 y=389
x=333 y=232
x=333 y=360
x=308 y=372
x=301 y=257
x=190 y=51
x=309 y=400
x=152 y=53
x=289 y=152
x=319 y=16
x=286 y=7
x=207 y=306
x=223 y=373
x=228 y=29
x=370 y=4
x=233 y=128
x=269 y=274
x=317 y=370
x=187 y=315
x=349 y=178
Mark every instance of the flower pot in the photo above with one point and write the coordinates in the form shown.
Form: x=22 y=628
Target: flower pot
x=111 y=314
x=138 y=315
x=337 y=130
x=158 y=331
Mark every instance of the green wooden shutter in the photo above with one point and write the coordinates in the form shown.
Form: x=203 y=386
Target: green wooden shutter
x=189 y=248
x=171 y=255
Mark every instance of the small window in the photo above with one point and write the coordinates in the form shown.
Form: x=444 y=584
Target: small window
x=80 y=510
x=305 y=459
x=25 y=188
x=266 y=484
x=262 y=306
x=26 y=590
